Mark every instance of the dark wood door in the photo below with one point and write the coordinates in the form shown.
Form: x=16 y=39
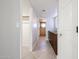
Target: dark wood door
x=42 y=28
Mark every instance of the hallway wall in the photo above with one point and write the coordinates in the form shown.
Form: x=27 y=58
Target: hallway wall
x=35 y=28
x=31 y=38
x=50 y=24
x=26 y=8
x=26 y=25
x=9 y=29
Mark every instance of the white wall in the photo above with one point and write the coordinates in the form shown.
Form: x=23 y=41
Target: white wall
x=67 y=43
x=26 y=25
x=56 y=22
x=35 y=29
x=9 y=31
x=30 y=35
x=26 y=8
x=50 y=24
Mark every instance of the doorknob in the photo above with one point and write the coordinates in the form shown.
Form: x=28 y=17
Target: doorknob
x=60 y=34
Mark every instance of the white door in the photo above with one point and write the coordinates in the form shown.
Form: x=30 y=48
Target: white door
x=26 y=35
x=67 y=36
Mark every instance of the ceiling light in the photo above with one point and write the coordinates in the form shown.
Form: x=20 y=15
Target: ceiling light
x=43 y=10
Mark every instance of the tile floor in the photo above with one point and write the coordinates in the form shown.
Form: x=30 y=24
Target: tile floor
x=43 y=50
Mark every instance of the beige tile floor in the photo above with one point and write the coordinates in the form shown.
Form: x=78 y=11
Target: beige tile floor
x=43 y=50
x=26 y=54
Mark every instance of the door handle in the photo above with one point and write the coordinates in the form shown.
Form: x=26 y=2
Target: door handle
x=60 y=34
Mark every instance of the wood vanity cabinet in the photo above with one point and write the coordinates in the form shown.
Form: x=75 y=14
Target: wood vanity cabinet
x=53 y=40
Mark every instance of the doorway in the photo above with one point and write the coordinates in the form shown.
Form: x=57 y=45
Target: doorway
x=57 y=26
x=42 y=28
x=36 y=30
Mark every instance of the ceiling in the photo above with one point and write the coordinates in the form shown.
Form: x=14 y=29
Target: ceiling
x=50 y=7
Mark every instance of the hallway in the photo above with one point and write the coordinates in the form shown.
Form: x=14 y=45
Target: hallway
x=37 y=22
x=43 y=50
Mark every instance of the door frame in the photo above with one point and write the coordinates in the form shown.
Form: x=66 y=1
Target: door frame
x=21 y=30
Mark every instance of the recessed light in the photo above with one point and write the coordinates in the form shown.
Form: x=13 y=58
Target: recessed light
x=43 y=10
